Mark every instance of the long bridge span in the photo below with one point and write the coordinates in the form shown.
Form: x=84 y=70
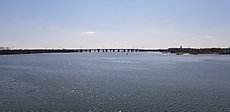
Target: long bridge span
x=34 y=51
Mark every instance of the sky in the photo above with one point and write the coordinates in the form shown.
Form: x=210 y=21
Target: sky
x=114 y=23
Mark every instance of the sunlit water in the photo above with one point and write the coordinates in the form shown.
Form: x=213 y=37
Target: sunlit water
x=88 y=82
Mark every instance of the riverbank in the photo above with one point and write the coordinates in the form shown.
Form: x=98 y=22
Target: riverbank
x=193 y=51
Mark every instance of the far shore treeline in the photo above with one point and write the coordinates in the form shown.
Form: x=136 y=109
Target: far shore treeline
x=178 y=51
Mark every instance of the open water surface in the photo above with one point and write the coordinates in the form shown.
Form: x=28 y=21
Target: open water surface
x=116 y=82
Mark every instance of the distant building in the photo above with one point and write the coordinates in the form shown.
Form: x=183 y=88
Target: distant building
x=7 y=48
x=181 y=47
x=2 y=48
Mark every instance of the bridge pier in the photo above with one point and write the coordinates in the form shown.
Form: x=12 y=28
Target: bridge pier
x=105 y=50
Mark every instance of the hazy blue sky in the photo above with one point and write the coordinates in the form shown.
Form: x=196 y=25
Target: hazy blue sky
x=114 y=23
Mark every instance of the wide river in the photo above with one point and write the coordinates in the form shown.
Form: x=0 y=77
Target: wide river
x=114 y=82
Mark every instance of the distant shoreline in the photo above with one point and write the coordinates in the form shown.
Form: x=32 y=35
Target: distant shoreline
x=177 y=51
x=193 y=51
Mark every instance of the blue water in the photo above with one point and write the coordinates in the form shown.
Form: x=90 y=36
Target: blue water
x=89 y=82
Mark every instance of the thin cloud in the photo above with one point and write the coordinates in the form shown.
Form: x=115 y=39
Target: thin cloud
x=208 y=36
x=89 y=33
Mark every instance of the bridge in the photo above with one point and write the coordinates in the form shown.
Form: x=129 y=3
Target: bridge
x=106 y=50
x=34 y=51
